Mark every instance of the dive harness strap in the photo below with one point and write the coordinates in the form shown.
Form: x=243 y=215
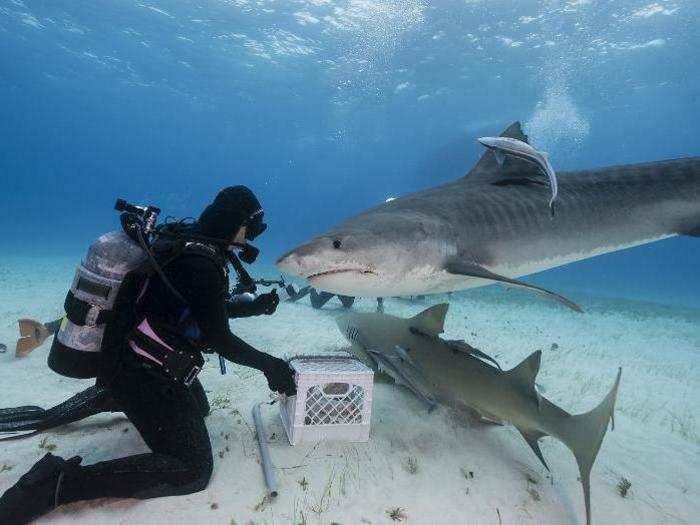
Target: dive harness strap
x=179 y=365
x=82 y=313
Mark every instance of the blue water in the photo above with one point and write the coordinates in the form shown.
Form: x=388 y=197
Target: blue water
x=327 y=107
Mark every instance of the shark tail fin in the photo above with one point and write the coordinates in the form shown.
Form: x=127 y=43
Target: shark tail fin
x=584 y=436
x=431 y=321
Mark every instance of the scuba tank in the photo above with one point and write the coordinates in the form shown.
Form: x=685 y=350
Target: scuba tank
x=75 y=351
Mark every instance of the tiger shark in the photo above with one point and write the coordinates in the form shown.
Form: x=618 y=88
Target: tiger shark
x=453 y=374
x=494 y=225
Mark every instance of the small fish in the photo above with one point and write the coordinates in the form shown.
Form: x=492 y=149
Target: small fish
x=502 y=146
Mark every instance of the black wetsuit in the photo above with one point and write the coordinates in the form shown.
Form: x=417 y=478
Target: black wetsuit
x=168 y=415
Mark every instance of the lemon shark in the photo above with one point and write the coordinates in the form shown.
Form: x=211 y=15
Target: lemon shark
x=453 y=374
x=494 y=225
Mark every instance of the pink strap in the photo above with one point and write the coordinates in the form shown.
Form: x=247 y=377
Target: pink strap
x=146 y=330
x=143 y=353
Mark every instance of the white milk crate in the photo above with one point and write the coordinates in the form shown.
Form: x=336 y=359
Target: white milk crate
x=333 y=401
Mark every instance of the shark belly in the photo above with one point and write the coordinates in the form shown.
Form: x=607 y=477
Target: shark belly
x=525 y=267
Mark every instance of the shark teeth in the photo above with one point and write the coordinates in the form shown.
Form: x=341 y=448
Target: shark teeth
x=345 y=270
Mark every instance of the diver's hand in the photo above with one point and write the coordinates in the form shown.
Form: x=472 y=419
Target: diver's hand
x=266 y=303
x=280 y=376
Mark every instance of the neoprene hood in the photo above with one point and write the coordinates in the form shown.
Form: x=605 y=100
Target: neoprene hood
x=232 y=208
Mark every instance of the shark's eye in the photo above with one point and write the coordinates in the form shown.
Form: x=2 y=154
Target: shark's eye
x=337 y=244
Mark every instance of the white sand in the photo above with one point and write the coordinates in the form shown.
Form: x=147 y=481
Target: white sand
x=656 y=444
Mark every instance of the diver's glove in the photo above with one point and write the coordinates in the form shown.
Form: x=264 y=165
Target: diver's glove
x=266 y=303
x=280 y=376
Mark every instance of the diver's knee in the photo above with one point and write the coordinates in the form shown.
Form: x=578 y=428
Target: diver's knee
x=201 y=474
x=204 y=407
x=200 y=398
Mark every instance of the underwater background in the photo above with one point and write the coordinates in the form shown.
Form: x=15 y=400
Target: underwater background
x=328 y=107
x=325 y=108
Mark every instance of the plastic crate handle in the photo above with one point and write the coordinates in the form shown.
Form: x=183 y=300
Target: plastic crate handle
x=333 y=386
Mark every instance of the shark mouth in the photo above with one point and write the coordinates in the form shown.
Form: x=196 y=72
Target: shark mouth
x=335 y=272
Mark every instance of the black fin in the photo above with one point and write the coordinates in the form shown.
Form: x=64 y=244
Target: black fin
x=474 y=270
x=294 y=296
x=346 y=300
x=532 y=439
x=12 y=412
x=320 y=299
x=10 y=418
x=89 y=402
x=515 y=131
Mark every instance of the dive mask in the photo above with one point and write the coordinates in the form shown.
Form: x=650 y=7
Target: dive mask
x=255 y=225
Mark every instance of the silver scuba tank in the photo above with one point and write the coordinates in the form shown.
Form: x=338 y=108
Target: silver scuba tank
x=76 y=348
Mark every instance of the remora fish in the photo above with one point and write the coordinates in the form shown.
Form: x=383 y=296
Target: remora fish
x=411 y=352
x=502 y=146
x=490 y=226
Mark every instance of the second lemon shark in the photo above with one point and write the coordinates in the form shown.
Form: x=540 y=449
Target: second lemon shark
x=453 y=374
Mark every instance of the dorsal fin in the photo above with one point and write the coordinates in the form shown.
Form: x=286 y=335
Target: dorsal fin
x=431 y=321
x=525 y=374
x=515 y=131
x=488 y=169
x=526 y=371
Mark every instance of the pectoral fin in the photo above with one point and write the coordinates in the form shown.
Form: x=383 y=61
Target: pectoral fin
x=470 y=269
x=532 y=439
x=457 y=345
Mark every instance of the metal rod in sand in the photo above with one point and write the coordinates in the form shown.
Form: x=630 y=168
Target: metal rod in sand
x=268 y=469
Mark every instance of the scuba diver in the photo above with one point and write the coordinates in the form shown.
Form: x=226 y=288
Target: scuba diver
x=140 y=329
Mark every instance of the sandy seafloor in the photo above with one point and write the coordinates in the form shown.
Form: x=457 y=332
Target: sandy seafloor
x=656 y=443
